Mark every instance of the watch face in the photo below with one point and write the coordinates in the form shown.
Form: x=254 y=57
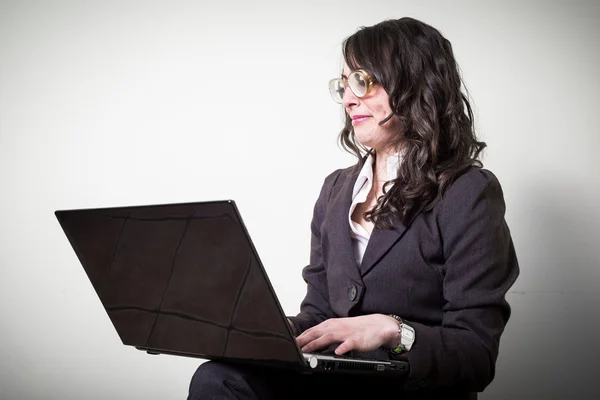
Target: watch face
x=407 y=334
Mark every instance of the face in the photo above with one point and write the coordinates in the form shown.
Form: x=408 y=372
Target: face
x=366 y=113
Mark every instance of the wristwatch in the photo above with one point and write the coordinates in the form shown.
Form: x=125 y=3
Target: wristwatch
x=407 y=336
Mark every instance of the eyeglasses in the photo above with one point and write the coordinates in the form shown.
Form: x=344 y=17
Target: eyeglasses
x=359 y=81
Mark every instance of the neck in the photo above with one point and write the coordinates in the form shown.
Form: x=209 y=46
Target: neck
x=380 y=173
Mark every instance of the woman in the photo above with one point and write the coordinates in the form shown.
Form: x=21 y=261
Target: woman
x=410 y=253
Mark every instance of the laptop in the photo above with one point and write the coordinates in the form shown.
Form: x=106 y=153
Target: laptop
x=185 y=279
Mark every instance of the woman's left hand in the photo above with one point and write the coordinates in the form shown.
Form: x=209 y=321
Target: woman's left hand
x=364 y=333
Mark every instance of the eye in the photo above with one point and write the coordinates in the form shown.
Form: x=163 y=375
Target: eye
x=358 y=83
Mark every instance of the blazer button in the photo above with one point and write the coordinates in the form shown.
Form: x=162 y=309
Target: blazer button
x=352 y=293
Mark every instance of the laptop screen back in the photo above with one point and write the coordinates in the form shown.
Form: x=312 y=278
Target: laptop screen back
x=182 y=279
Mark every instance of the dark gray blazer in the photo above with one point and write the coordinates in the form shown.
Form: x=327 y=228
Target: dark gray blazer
x=446 y=274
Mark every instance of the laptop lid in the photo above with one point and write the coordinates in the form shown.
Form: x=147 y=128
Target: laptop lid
x=182 y=279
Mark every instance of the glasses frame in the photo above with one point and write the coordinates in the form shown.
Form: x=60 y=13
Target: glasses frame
x=343 y=80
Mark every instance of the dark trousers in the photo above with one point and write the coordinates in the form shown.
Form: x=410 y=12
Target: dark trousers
x=215 y=380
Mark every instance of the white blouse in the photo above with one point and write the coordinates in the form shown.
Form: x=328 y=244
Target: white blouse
x=364 y=182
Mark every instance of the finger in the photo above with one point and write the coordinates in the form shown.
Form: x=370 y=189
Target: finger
x=309 y=331
x=322 y=326
x=325 y=327
x=345 y=347
x=320 y=343
x=313 y=333
x=307 y=336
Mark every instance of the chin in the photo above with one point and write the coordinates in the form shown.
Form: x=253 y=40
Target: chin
x=372 y=138
x=365 y=140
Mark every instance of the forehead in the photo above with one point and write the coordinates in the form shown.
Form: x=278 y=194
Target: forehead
x=347 y=70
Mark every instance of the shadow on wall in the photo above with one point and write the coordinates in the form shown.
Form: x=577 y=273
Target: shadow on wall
x=550 y=348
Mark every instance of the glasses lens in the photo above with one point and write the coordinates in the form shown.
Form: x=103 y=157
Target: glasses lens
x=358 y=83
x=337 y=88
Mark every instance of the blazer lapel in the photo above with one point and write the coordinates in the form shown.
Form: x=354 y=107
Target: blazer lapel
x=382 y=240
x=339 y=237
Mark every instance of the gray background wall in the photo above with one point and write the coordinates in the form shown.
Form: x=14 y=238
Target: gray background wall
x=133 y=102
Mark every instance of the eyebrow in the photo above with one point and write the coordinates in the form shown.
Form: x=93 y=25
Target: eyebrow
x=344 y=76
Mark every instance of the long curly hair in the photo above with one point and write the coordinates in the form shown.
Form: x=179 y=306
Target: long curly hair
x=415 y=65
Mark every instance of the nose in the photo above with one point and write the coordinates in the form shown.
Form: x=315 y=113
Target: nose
x=349 y=99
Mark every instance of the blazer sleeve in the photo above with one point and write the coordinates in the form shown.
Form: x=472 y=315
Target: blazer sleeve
x=315 y=308
x=480 y=267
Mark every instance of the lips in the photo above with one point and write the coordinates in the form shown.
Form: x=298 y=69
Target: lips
x=358 y=119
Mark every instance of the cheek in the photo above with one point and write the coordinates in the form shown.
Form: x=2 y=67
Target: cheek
x=381 y=105
x=385 y=110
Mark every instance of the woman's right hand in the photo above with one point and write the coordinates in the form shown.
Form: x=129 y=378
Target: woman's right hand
x=362 y=333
